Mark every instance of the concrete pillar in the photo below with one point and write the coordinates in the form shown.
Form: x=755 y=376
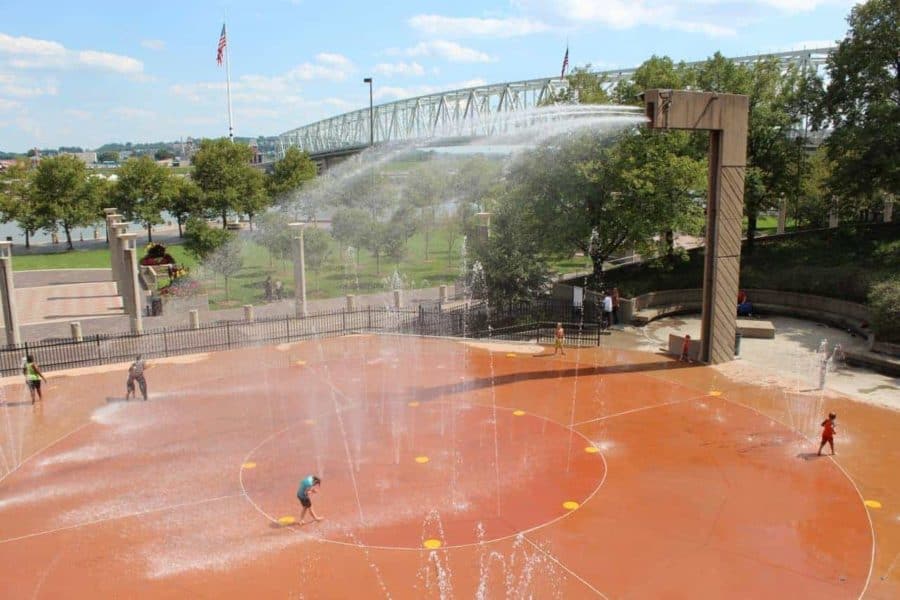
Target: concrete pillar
x=194 y=316
x=351 y=302
x=117 y=255
x=725 y=116
x=888 y=212
x=8 y=295
x=75 y=327
x=442 y=294
x=132 y=297
x=398 y=298
x=782 y=215
x=248 y=313
x=299 y=267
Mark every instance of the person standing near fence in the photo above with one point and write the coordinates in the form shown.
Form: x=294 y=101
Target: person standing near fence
x=607 y=310
x=560 y=337
x=33 y=377
x=136 y=374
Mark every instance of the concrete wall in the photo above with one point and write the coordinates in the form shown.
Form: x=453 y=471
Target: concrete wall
x=843 y=314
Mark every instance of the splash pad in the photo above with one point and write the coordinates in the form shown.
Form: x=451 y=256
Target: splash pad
x=622 y=475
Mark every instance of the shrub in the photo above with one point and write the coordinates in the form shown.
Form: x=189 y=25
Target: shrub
x=157 y=255
x=182 y=287
x=884 y=306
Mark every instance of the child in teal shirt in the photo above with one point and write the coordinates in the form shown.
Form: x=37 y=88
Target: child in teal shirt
x=309 y=485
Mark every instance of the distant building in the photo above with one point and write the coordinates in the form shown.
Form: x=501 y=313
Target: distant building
x=88 y=158
x=257 y=158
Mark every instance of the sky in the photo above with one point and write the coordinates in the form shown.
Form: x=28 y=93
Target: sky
x=86 y=73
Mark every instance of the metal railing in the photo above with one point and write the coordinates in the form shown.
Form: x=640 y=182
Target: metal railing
x=524 y=321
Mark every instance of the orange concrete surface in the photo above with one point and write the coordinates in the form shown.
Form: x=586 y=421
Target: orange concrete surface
x=604 y=473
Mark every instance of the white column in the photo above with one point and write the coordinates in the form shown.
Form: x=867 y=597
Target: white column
x=299 y=267
x=8 y=294
x=132 y=297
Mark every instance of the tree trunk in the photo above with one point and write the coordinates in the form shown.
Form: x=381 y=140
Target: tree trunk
x=225 y=219
x=69 y=245
x=27 y=240
x=180 y=234
x=250 y=220
x=751 y=230
x=149 y=233
x=670 y=243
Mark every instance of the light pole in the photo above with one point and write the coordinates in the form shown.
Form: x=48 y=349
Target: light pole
x=371 y=113
x=299 y=267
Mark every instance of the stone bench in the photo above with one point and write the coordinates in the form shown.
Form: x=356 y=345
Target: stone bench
x=645 y=315
x=753 y=328
x=881 y=363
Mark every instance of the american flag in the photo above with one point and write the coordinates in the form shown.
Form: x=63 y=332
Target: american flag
x=220 y=53
x=562 y=75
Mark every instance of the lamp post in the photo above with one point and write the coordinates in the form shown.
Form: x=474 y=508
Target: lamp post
x=299 y=267
x=371 y=113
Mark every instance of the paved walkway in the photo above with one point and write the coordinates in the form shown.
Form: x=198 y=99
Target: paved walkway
x=790 y=360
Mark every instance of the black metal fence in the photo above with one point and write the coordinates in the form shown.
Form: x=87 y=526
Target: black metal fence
x=520 y=321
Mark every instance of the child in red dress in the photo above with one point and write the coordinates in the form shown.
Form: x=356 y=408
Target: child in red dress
x=828 y=430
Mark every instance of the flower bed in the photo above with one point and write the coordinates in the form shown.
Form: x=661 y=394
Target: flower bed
x=156 y=255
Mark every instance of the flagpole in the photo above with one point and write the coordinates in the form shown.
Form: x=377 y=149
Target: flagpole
x=228 y=90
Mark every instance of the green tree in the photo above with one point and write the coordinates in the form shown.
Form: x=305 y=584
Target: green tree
x=591 y=193
x=585 y=87
x=349 y=226
x=255 y=198
x=423 y=191
x=512 y=257
x=142 y=191
x=223 y=171
x=163 y=154
x=478 y=181
x=227 y=260
x=862 y=103
x=316 y=250
x=274 y=234
x=65 y=196
x=201 y=240
x=17 y=202
x=108 y=156
x=656 y=72
x=183 y=199
x=289 y=174
x=382 y=239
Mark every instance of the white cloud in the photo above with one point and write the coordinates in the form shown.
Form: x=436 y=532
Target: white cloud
x=455 y=27
x=449 y=51
x=389 y=92
x=280 y=89
x=7 y=105
x=31 y=53
x=713 y=18
x=23 y=86
x=81 y=115
x=30 y=46
x=153 y=44
x=133 y=113
x=110 y=62
x=401 y=69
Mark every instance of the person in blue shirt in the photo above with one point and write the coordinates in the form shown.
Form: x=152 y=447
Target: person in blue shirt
x=309 y=485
